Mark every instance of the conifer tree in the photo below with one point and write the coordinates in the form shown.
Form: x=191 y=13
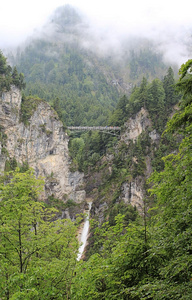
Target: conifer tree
x=3 y=64
x=169 y=88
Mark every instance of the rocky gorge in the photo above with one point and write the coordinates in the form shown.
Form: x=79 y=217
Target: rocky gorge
x=32 y=134
x=42 y=143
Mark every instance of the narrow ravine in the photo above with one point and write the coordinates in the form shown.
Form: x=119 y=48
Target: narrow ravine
x=84 y=233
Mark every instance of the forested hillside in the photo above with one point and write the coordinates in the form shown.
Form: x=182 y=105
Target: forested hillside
x=148 y=256
x=81 y=83
x=158 y=99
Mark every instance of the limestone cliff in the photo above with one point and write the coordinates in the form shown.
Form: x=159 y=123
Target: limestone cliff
x=121 y=174
x=135 y=126
x=133 y=191
x=42 y=143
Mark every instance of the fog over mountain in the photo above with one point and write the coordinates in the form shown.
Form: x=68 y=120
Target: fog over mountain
x=105 y=27
x=111 y=36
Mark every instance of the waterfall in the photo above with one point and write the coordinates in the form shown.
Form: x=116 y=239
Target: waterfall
x=84 y=234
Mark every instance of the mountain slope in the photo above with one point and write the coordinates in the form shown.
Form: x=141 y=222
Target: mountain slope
x=68 y=63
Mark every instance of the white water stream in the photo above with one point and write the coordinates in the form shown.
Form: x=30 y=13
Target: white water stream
x=84 y=234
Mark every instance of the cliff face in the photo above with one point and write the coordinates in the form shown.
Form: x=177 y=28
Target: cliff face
x=124 y=171
x=42 y=143
x=135 y=126
x=133 y=191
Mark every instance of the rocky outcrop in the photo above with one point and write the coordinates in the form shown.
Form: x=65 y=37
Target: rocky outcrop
x=132 y=193
x=42 y=143
x=135 y=126
x=10 y=103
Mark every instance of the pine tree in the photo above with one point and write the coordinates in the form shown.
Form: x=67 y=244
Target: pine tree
x=169 y=88
x=3 y=64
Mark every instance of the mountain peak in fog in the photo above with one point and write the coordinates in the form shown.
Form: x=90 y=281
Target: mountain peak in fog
x=65 y=18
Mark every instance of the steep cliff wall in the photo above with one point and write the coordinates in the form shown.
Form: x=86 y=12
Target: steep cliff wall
x=119 y=178
x=135 y=126
x=42 y=143
x=133 y=191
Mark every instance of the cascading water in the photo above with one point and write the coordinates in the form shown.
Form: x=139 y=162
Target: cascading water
x=84 y=234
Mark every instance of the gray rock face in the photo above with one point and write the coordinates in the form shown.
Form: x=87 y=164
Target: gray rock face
x=10 y=103
x=154 y=136
x=136 y=126
x=43 y=144
x=132 y=193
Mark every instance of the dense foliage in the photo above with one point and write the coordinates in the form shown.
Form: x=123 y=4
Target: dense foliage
x=144 y=61
x=151 y=258
x=70 y=77
x=8 y=76
x=157 y=97
x=37 y=253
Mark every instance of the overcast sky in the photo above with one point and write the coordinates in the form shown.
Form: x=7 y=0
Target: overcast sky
x=157 y=18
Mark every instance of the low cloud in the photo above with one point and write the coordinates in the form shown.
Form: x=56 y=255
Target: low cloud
x=109 y=28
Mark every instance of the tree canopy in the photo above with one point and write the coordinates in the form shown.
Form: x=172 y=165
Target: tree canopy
x=151 y=257
x=9 y=77
x=37 y=251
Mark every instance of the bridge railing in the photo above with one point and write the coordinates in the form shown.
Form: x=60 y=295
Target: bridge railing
x=104 y=128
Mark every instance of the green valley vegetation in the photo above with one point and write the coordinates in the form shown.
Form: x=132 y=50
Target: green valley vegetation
x=37 y=252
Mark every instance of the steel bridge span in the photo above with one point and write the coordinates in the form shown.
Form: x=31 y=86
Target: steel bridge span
x=106 y=129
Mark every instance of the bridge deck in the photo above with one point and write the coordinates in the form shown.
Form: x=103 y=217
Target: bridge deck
x=106 y=128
